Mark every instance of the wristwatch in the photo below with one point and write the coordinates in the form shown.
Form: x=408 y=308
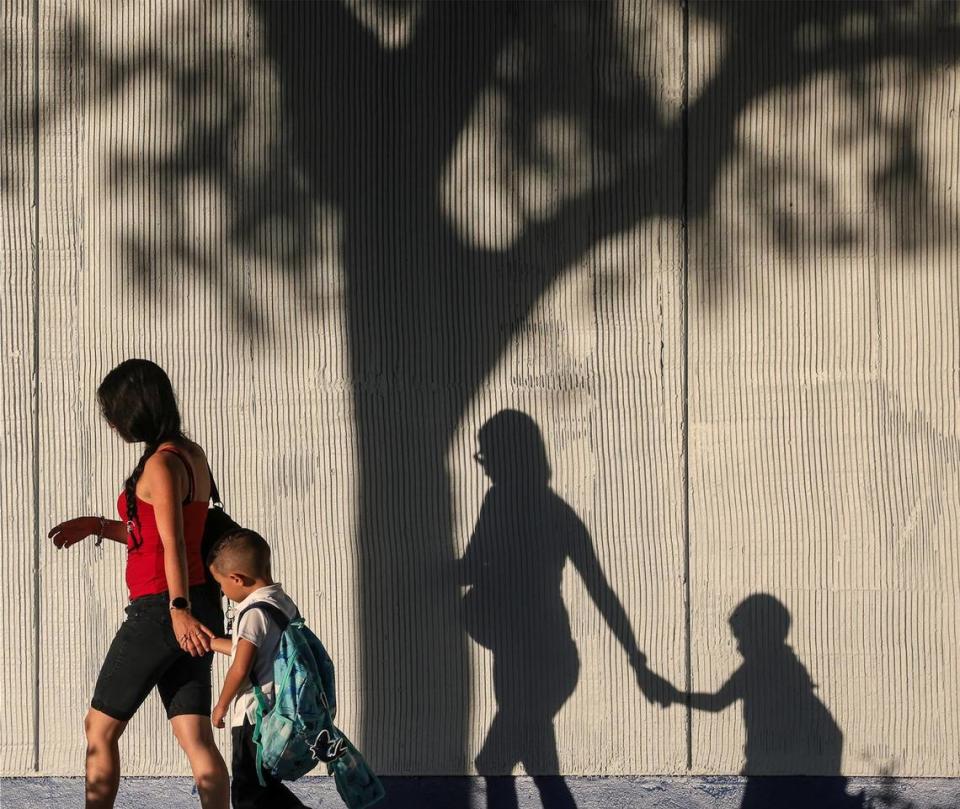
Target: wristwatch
x=179 y=603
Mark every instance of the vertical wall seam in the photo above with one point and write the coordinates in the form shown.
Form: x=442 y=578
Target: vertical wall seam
x=684 y=229
x=36 y=385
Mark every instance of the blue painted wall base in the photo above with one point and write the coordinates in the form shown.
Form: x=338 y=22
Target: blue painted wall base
x=633 y=792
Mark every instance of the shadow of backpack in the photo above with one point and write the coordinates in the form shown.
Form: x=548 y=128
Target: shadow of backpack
x=297 y=733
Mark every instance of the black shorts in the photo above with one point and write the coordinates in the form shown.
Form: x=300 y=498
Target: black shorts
x=145 y=653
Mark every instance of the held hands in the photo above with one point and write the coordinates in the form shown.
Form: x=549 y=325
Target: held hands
x=654 y=687
x=192 y=636
x=73 y=531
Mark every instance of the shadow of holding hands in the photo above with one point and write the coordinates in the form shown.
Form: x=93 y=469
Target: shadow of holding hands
x=513 y=566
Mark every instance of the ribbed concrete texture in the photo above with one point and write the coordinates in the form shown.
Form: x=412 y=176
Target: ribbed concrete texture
x=823 y=367
x=18 y=326
x=525 y=333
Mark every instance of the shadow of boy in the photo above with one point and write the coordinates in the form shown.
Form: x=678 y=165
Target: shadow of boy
x=789 y=730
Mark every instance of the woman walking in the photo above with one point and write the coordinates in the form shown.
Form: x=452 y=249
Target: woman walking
x=165 y=640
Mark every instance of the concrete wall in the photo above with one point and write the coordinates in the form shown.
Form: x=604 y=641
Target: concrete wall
x=710 y=250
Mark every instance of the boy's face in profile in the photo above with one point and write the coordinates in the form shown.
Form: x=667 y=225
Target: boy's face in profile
x=743 y=640
x=231 y=584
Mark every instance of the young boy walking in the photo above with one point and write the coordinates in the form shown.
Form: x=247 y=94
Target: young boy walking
x=241 y=565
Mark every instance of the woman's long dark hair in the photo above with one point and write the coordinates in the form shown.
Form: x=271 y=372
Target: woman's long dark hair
x=137 y=398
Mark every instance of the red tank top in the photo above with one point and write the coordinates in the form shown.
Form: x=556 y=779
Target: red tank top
x=145 y=571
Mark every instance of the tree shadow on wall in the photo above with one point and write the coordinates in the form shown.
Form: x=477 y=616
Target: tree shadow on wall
x=374 y=129
x=429 y=310
x=788 y=728
x=370 y=115
x=513 y=565
x=432 y=306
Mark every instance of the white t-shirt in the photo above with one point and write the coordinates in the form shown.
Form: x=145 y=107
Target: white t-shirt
x=259 y=627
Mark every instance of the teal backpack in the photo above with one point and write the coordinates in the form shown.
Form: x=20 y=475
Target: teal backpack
x=298 y=733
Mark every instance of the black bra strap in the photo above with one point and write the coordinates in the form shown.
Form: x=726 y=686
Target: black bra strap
x=191 y=490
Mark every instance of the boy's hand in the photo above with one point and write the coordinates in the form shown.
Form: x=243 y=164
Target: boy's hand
x=219 y=712
x=222 y=645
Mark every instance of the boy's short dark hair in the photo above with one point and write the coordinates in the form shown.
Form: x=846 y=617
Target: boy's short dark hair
x=241 y=551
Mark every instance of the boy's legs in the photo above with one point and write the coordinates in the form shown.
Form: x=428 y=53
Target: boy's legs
x=245 y=790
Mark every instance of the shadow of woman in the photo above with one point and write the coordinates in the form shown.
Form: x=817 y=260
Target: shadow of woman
x=514 y=564
x=788 y=729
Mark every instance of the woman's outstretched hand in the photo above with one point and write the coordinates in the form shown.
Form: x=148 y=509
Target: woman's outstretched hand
x=192 y=636
x=73 y=531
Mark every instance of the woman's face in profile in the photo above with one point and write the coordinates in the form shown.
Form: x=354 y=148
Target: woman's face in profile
x=481 y=458
x=113 y=427
x=488 y=461
x=503 y=466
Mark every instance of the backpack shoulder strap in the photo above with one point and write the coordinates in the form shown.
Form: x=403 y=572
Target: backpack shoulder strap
x=258 y=733
x=279 y=617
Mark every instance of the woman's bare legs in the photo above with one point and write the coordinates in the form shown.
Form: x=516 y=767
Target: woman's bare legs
x=103 y=758
x=195 y=734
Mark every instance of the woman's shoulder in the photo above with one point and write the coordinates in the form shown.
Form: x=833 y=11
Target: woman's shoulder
x=170 y=456
x=185 y=447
